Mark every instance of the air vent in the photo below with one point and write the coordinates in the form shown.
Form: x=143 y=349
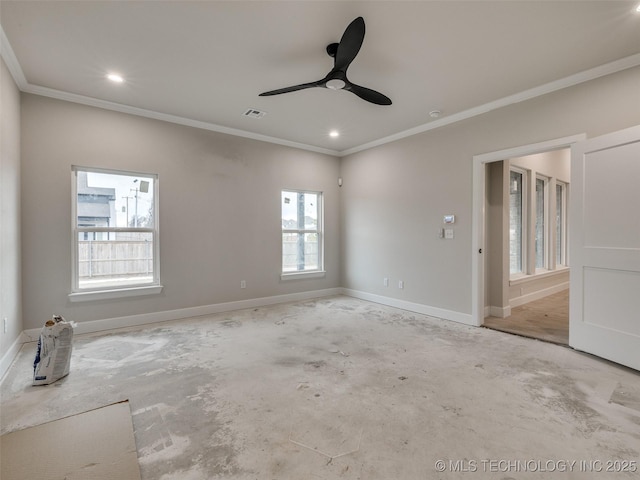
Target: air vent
x=253 y=113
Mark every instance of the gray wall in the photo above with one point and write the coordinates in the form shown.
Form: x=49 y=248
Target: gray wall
x=219 y=208
x=219 y=200
x=556 y=164
x=394 y=196
x=10 y=297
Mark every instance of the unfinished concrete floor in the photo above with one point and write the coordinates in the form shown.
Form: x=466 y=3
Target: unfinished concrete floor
x=339 y=388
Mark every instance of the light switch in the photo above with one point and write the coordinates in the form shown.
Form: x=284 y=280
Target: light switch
x=448 y=233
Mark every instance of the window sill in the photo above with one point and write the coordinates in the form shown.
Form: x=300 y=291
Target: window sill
x=302 y=275
x=115 y=293
x=523 y=278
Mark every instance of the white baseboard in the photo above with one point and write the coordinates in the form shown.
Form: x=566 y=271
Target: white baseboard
x=105 y=324
x=412 y=307
x=499 y=312
x=545 y=292
x=94 y=326
x=9 y=356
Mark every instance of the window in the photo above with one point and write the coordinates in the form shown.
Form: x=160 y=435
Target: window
x=541 y=222
x=561 y=223
x=302 y=242
x=537 y=223
x=516 y=222
x=115 y=231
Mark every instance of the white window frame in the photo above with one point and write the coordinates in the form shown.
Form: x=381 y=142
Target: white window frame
x=126 y=290
x=316 y=273
x=550 y=267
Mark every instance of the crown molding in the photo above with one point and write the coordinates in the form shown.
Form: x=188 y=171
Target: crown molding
x=7 y=53
x=591 y=74
x=10 y=59
x=581 y=77
x=141 y=112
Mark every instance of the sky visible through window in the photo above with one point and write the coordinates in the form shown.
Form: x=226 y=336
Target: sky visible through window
x=126 y=190
x=290 y=209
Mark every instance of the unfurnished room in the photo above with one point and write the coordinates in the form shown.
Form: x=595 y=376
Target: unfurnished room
x=271 y=240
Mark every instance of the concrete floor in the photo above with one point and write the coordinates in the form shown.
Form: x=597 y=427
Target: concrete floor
x=339 y=388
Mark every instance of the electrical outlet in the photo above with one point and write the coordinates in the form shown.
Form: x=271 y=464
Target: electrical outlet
x=400 y=284
x=243 y=284
x=385 y=282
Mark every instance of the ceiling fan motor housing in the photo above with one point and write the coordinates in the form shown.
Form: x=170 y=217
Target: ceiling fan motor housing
x=332 y=49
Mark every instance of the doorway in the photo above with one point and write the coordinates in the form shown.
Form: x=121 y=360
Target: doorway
x=533 y=299
x=526 y=257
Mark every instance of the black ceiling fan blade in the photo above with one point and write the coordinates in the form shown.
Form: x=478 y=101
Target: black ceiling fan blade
x=369 y=95
x=350 y=44
x=291 y=89
x=344 y=53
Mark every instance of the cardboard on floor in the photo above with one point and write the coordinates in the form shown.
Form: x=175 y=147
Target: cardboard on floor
x=96 y=445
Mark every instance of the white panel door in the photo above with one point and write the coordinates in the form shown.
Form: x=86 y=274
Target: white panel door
x=604 y=250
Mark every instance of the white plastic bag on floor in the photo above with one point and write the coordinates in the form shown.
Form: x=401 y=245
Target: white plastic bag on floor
x=53 y=356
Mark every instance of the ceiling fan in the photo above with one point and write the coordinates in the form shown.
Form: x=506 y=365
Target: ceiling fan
x=343 y=54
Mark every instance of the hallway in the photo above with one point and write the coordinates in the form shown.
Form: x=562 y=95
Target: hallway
x=546 y=319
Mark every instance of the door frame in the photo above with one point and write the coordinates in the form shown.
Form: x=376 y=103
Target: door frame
x=478 y=211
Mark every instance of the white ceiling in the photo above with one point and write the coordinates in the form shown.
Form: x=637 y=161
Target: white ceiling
x=204 y=63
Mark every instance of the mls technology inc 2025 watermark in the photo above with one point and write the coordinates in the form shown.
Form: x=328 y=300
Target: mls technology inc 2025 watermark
x=533 y=465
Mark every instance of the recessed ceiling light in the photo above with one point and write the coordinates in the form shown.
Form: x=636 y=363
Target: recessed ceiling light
x=114 y=77
x=638 y=8
x=334 y=133
x=435 y=113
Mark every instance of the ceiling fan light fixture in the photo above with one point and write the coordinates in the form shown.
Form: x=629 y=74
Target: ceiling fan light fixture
x=336 y=84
